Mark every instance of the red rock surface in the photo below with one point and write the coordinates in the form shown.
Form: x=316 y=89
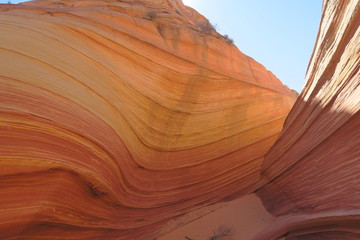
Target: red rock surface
x=311 y=175
x=117 y=116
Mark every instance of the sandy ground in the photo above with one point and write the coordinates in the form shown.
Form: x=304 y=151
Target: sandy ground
x=240 y=219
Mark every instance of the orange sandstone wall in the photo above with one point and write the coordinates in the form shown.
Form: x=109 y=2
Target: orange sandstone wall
x=116 y=116
x=312 y=173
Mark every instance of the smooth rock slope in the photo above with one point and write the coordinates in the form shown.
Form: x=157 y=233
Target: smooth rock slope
x=117 y=116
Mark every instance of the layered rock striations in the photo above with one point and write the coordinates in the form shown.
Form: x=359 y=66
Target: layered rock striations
x=312 y=173
x=117 y=116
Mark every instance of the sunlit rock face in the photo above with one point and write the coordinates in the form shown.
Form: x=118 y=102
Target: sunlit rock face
x=117 y=116
x=312 y=173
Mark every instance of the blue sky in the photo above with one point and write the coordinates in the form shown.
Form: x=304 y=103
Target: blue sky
x=12 y=1
x=280 y=34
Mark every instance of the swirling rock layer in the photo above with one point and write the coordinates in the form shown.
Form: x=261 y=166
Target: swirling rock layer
x=117 y=116
x=312 y=173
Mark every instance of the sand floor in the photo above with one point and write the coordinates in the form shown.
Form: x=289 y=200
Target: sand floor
x=240 y=219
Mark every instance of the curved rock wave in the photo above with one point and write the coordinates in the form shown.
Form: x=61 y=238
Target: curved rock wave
x=313 y=168
x=117 y=116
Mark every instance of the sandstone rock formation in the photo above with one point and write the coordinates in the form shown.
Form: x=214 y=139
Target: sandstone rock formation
x=312 y=173
x=117 y=116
